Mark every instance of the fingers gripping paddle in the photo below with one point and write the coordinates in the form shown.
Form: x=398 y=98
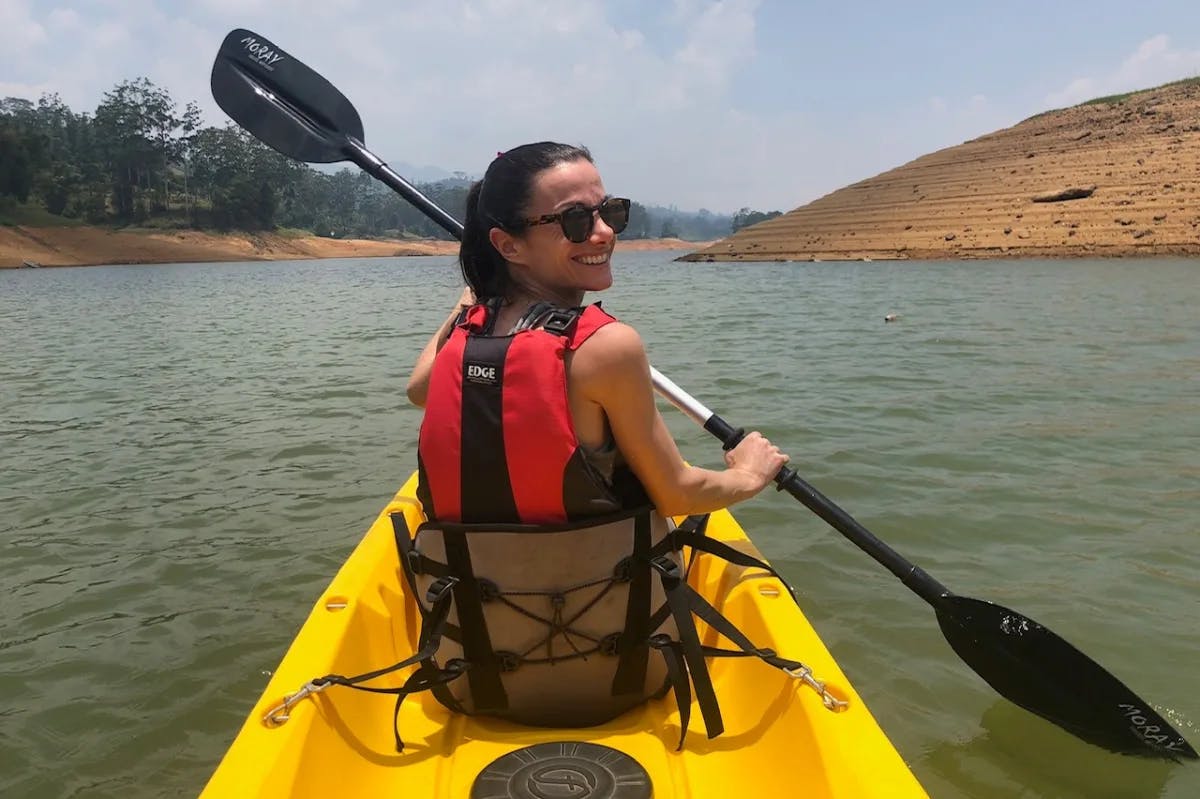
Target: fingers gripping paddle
x=297 y=112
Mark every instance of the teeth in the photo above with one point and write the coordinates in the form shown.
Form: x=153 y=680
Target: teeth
x=593 y=260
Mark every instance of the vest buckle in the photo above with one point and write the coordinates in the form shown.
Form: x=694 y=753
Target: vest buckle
x=415 y=562
x=559 y=321
x=668 y=568
x=439 y=588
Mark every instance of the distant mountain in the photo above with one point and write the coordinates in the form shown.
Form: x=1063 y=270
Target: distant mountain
x=423 y=174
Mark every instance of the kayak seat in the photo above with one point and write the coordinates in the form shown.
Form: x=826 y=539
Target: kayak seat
x=503 y=636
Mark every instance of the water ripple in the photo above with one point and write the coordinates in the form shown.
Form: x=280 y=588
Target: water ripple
x=190 y=451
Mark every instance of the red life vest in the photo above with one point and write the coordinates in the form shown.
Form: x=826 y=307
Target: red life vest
x=497 y=443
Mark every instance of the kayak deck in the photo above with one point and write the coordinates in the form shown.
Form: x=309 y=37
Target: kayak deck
x=779 y=736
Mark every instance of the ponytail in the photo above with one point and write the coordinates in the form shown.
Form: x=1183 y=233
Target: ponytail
x=483 y=267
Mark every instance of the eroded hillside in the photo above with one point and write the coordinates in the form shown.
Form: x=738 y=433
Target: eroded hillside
x=1101 y=179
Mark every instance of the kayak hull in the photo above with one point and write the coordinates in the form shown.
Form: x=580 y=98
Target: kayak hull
x=780 y=738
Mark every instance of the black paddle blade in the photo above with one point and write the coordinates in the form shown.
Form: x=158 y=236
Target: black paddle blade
x=281 y=101
x=1034 y=668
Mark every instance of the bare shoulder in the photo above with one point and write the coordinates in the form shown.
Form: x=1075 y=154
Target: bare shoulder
x=614 y=346
x=612 y=361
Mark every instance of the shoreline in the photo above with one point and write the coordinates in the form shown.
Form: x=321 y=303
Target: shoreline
x=96 y=246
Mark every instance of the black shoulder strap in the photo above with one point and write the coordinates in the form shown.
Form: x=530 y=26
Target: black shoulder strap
x=546 y=315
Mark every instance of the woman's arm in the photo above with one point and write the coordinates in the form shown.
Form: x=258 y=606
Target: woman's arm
x=418 y=381
x=611 y=370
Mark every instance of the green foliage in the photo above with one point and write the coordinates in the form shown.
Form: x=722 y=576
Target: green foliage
x=15 y=213
x=745 y=218
x=139 y=160
x=1120 y=98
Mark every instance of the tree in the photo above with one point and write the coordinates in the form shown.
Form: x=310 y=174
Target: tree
x=639 y=223
x=136 y=128
x=24 y=149
x=745 y=218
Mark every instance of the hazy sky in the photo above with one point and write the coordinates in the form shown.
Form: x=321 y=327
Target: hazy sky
x=700 y=104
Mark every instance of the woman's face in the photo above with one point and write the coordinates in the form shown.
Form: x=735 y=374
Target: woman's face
x=543 y=258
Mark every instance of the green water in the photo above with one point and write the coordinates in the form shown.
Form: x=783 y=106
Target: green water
x=188 y=453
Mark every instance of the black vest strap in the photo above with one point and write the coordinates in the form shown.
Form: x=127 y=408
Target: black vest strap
x=677 y=592
x=634 y=644
x=677 y=675
x=404 y=548
x=549 y=317
x=484 y=674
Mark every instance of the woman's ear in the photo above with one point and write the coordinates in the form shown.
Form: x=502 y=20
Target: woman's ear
x=508 y=245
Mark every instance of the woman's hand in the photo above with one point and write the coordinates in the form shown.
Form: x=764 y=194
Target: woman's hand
x=418 y=382
x=757 y=458
x=611 y=371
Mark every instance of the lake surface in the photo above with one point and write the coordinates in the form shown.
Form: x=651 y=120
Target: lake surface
x=188 y=453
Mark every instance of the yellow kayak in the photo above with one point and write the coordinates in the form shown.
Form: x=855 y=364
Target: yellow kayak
x=786 y=734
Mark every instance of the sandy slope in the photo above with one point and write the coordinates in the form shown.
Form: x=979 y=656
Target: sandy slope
x=1142 y=156
x=79 y=246
x=85 y=246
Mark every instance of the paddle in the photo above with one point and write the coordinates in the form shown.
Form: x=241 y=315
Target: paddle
x=297 y=112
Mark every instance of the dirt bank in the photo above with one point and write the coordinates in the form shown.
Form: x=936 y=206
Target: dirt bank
x=88 y=246
x=1119 y=178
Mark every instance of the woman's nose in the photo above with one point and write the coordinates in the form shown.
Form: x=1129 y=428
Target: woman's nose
x=600 y=229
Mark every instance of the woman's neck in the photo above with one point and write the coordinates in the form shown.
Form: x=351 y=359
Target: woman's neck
x=525 y=296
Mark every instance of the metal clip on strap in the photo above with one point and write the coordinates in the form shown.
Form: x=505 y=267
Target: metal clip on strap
x=805 y=675
x=279 y=715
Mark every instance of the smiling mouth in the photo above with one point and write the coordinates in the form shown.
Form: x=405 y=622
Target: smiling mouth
x=592 y=260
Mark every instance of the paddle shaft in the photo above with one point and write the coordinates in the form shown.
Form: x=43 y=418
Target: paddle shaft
x=376 y=168
x=788 y=480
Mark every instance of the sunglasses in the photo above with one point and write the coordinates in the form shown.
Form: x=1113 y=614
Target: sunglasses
x=579 y=220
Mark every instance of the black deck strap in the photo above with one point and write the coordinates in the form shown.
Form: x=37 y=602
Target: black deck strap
x=484 y=675
x=634 y=646
x=677 y=592
x=695 y=525
x=677 y=676
x=702 y=609
x=426 y=678
x=432 y=628
x=767 y=656
x=659 y=616
x=702 y=543
x=405 y=550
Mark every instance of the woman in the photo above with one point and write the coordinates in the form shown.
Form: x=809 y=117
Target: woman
x=610 y=396
x=546 y=471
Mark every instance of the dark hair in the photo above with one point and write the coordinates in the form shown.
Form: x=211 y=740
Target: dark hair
x=500 y=200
